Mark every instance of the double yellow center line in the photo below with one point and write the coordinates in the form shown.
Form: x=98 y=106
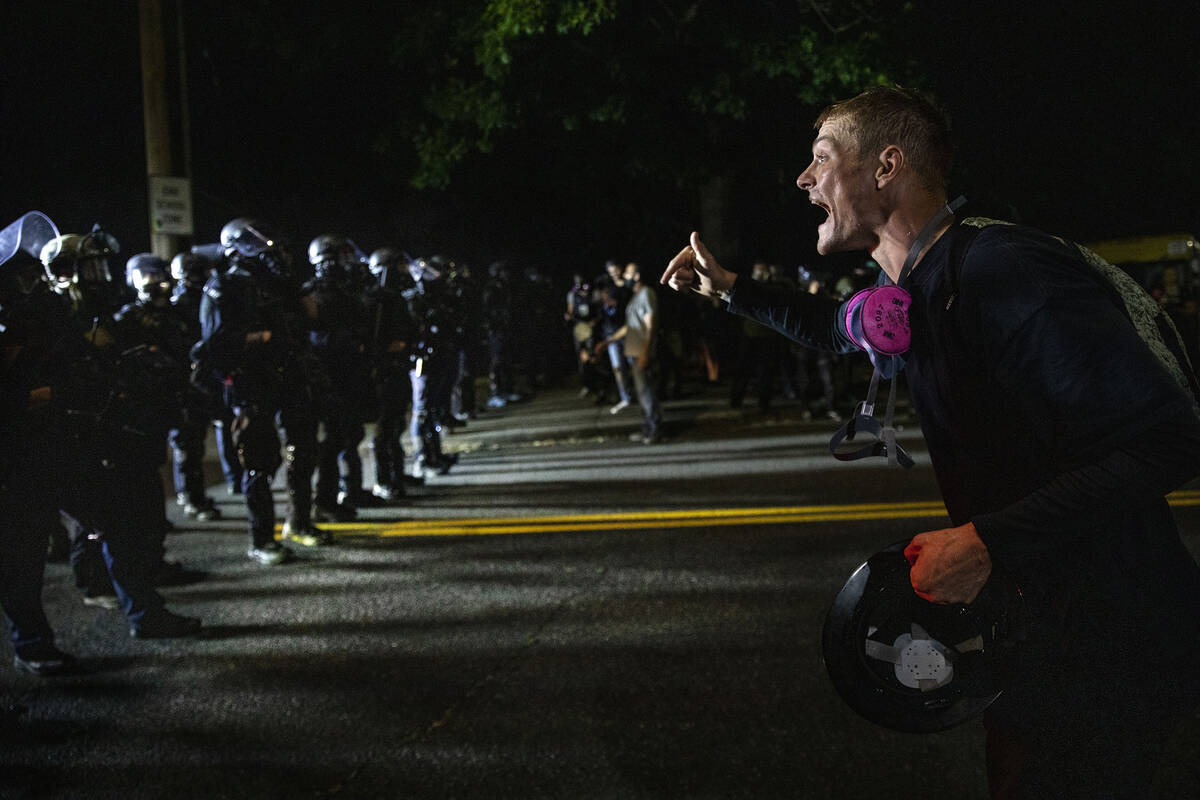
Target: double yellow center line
x=647 y=520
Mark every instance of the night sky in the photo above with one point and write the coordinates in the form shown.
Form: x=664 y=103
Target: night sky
x=1085 y=122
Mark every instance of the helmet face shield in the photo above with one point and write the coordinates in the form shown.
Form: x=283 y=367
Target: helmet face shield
x=147 y=275
x=81 y=261
x=157 y=292
x=422 y=270
x=336 y=258
x=152 y=287
x=389 y=266
x=326 y=247
x=91 y=260
x=31 y=233
x=247 y=238
x=382 y=259
x=250 y=243
x=60 y=271
x=59 y=257
x=192 y=269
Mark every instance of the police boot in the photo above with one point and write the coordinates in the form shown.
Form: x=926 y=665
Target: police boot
x=350 y=491
x=385 y=476
x=432 y=453
x=202 y=509
x=422 y=465
x=298 y=527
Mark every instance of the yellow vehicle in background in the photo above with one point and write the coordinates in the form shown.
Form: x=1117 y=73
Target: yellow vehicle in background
x=1168 y=267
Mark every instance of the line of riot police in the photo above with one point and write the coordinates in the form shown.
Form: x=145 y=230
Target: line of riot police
x=226 y=334
x=359 y=342
x=88 y=398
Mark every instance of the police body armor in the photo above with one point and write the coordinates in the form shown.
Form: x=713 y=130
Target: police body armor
x=239 y=303
x=338 y=339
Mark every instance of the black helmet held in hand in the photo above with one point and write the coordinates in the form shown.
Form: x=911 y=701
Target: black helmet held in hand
x=911 y=665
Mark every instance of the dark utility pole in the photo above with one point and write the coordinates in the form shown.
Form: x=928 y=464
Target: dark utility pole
x=170 y=196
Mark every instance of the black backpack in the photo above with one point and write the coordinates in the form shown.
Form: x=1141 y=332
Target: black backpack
x=1151 y=322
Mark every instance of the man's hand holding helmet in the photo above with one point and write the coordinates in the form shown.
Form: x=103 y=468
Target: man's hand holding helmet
x=948 y=566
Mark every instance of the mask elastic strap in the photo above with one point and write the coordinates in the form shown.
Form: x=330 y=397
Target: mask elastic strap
x=864 y=421
x=896 y=455
x=926 y=232
x=867 y=408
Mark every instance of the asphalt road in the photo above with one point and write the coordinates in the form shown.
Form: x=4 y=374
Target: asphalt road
x=565 y=615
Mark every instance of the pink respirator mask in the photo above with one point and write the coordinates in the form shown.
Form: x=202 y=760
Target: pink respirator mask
x=876 y=320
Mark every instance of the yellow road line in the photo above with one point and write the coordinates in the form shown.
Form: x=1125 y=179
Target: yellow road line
x=692 y=513
x=472 y=527
x=647 y=520
x=694 y=518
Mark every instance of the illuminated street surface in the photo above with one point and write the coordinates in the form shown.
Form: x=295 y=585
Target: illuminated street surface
x=697 y=518
x=565 y=614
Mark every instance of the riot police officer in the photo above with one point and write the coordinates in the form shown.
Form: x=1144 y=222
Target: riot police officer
x=391 y=337
x=191 y=270
x=82 y=301
x=498 y=323
x=254 y=324
x=104 y=428
x=24 y=519
x=465 y=296
x=153 y=320
x=338 y=338
x=433 y=365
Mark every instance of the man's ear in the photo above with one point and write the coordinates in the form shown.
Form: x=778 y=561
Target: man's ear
x=889 y=165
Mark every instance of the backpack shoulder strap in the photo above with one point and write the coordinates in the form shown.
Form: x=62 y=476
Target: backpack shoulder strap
x=963 y=233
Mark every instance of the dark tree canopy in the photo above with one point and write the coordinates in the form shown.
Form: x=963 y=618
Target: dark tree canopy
x=573 y=130
x=622 y=115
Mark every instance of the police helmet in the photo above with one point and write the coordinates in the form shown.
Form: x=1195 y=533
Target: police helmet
x=148 y=275
x=915 y=666
x=384 y=259
x=79 y=259
x=426 y=269
x=191 y=268
x=336 y=257
x=389 y=267
x=326 y=247
x=250 y=242
x=247 y=237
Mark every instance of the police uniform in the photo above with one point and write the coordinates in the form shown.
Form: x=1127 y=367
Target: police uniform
x=433 y=368
x=392 y=335
x=189 y=445
x=338 y=339
x=267 y=381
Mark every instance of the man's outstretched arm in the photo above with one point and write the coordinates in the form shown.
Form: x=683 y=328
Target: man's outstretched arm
x=695 y=268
